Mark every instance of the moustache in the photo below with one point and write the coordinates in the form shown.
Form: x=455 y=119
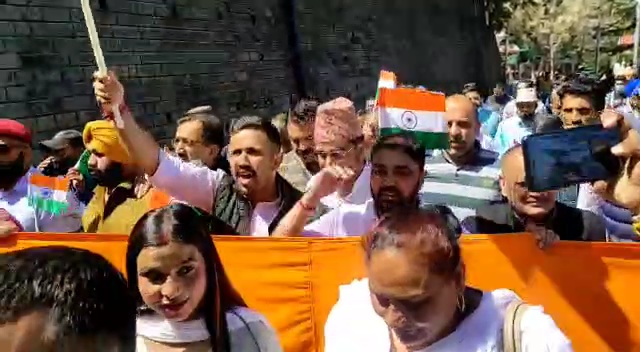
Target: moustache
x=245 y=170
x=389 y=191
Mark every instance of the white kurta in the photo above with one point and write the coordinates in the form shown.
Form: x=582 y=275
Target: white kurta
x=354 y=326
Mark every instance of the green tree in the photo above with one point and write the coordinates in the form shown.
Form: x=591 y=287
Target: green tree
x=500 y=11
x=562 y=29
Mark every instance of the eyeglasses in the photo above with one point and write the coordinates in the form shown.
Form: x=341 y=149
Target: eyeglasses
x=337 y=154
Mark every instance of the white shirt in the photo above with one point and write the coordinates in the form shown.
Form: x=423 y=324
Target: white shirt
x=196 y=185
x=354 y=326
x=262 y=215
x=16 y=202
x=360 y=193
x=344 y=221
x=511 y=109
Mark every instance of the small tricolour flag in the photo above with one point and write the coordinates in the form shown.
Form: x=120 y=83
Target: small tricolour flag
x=49 y=194
x=418 y=112
x=388 y=80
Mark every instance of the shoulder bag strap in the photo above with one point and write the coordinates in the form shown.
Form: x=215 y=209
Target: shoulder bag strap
x=511 y=329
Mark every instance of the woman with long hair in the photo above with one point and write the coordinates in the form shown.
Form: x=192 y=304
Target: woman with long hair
x=185 y=300
x=416 y=299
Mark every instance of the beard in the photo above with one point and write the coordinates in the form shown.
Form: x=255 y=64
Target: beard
x=112 y=176
x=11 y=172
x=309 y=160
x=390 y=198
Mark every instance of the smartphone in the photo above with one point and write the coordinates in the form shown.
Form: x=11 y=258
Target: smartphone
x=558 y=159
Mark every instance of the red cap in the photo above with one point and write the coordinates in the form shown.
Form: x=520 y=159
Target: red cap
x=14 y=129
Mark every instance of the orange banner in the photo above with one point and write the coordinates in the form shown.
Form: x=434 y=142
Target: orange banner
x=592 y=290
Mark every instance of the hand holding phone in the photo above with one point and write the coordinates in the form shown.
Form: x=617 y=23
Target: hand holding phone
x=559 y=159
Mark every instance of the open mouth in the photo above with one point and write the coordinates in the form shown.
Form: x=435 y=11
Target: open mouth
x=172 y=309
x=183 y=156
x=245 y=176
x=389 y=196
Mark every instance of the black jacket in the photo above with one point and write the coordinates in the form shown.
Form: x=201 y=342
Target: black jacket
x=235 y=210
x=570 y=224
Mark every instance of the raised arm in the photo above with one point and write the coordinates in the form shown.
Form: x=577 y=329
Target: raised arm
x=325 y=183
x=140 y=144
x=188 y=183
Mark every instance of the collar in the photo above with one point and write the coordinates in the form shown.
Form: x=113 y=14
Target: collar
x=472 y=155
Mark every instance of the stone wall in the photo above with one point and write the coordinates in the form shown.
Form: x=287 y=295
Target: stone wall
x=237 y=55
x=437 y=44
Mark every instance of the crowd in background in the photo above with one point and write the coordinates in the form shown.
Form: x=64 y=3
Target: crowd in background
x=320 y=169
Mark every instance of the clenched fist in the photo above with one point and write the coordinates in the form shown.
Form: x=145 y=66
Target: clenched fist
x=108 y=90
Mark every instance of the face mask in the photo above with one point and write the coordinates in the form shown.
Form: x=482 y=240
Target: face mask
x=619 y=88
x=111 y=177
x=11 y=172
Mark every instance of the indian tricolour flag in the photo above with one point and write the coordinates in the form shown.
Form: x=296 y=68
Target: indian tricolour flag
x=49 y=194
x=418 y=112
x=388 y=80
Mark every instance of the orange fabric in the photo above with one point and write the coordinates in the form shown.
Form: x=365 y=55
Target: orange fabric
x=158 y=199
x=590 y=289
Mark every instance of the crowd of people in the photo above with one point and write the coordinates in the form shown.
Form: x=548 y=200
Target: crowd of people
x=322 y=169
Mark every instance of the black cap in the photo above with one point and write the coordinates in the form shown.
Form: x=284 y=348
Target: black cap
x=60 y=140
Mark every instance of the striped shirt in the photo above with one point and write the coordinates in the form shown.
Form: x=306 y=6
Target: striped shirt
x=463 y=188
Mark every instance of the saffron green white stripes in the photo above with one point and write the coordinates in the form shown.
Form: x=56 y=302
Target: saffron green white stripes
x=48 y=194
x=418 y=112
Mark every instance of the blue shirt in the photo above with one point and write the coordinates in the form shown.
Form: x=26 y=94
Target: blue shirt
x=511 y=132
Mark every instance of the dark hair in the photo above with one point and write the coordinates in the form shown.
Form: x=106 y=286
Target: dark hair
x=184 y=224
x=259 y=124
x=408 y=146
x=83 y=293
x=470 y=87
x=212 y=126
x=304 y=111
x=547 y=123
x=424 y=230
x=586 y=87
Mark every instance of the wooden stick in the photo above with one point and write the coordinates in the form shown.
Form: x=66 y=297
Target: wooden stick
x=97 y=52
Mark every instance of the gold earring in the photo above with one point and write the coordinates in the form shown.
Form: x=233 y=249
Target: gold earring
x=461 y=303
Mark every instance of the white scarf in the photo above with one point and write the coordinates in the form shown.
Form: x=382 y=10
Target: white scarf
x=155 y=328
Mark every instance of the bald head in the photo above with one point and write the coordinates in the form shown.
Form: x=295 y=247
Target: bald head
x=461 y=105
x=511 y=156
x=463 y=126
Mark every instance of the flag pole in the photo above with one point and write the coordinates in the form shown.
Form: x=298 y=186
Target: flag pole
x=97 y=52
